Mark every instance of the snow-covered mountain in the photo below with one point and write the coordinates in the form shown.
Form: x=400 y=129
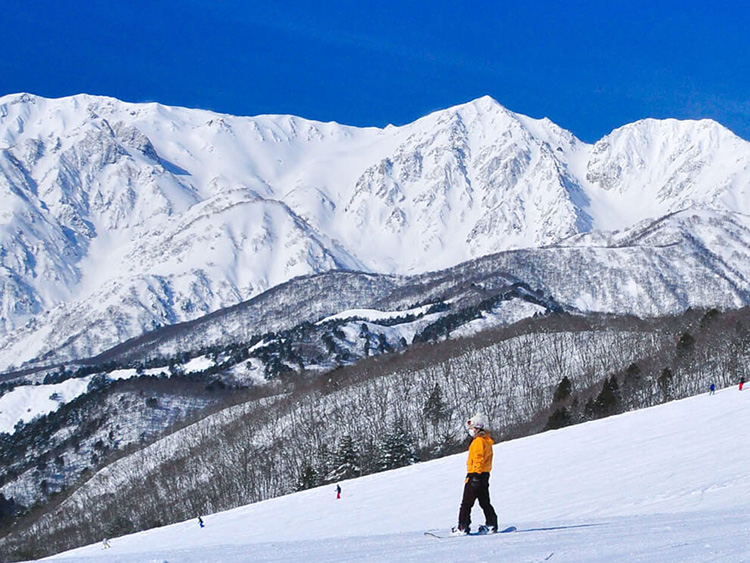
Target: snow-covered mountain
x=119 y=218
x=656 y=268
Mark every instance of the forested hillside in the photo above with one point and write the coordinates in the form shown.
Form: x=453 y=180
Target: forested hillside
x=393 y=410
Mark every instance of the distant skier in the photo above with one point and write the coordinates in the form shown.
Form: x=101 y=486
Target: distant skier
x=105 y=544
x=742 y=382
x=200 y=522
x=477 y=484
x=338 y=491
x=712 y=389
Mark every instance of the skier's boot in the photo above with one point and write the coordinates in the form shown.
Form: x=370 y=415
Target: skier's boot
x=459 y=531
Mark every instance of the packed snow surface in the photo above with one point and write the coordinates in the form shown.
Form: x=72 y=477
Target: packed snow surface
x=666 y=484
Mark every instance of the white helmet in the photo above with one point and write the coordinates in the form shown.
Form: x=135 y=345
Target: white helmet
x=477 y=422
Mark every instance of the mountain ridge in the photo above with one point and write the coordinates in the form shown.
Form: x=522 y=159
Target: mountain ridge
x=152 y=215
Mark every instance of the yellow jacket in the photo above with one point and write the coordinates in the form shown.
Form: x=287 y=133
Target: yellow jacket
x=480 y=454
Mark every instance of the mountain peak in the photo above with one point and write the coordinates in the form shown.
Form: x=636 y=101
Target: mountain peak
x=674 y=130
x=485 y=105
x=488 y=103
x=91 y=178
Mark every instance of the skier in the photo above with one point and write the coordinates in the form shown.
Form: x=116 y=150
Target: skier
x=200 y=522
x=105 y=544
x=338 y=491
x=742 y=382
x=712 y=389
x=477 y=484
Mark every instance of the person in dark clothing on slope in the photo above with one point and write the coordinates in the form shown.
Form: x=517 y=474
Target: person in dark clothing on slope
x=477 y=484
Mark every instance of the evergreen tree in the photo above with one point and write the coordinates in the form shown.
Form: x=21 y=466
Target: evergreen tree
x=708 y=319
x=685 y=344
x=632 y=375
x=383 y=345
x=369 y=456
x=607 y=402
x=589 y=410
x=665 y=384
x=308 y=478
x=98 y=383
x=397 y=450
x=559 y=419
x=435 y=409
x=609 y=398
x=563 y=390
x=364 y=333
x=346 y=460
x=322 y=463
x=633 y=370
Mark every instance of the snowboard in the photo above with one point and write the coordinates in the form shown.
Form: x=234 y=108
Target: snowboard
x=446 y=536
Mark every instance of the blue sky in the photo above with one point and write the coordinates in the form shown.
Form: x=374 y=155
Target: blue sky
x=588 y=66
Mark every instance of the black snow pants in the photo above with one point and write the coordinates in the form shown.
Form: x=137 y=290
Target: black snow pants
x=477 y=487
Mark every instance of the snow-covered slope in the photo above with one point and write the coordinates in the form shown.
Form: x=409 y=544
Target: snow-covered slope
x=666 y=166
x=118 y=218
x=667 y=484
x=696 y=259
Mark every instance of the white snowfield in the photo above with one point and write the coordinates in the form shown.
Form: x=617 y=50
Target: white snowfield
x=27 y=402
x=119 y=218
x=666 y=484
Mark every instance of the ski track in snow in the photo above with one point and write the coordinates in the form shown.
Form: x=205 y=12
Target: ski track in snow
x=667 y=484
